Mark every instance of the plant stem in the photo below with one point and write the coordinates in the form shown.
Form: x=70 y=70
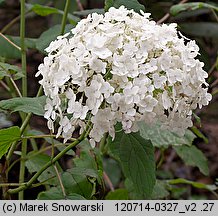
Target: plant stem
x=103 y=142
x=64 y=19
x=56 y=158
x=22 y=167
x=22 y=45
x=24 y=92
x=161 y=158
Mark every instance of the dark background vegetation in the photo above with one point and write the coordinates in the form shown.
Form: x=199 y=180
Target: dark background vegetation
x=200 y=25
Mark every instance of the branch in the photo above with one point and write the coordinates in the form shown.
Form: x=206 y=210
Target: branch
x=56 y=158
x=166 y=16
x=80 y=6
x=107 y=179
x=9 y=41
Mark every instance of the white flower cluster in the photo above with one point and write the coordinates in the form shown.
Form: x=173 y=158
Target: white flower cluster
x=122 y=67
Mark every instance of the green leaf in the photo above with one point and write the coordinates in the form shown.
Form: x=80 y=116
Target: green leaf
x=29 y=42
x=200 y=29
x=198 y=185
x=199 y=134
x=133 y=194
x=176 y=9
x=7 y=137
x=42 y=10
x=130 y=4
x=118 y=194
x=192 y=156
x=10 y=52
x=87 y=12
x=36 y=161
x=89 y=163
x=77 y=183
x=7 y=50
x=48 y=36
x=55 y=193
x=25 y=104
x=7 y=70
x=164 y=138
x=136 y=156
x=160 y=190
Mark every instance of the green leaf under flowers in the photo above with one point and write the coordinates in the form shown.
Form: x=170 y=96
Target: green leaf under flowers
x=7 y=70
x=33 y=105
x=118 y=194
x=176 y=9
x=55 y=193
x=89 y=11
x=129 y=4
x=160 y=190
x=136 y=156
x=193 y=156
x=164 y=138
x=77 y=183
x=7 y=137
x=50 y=35
x=89 y=163
x=36 y=161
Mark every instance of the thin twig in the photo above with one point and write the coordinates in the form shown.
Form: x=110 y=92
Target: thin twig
x=9 y=41
x=213 y=84
x=215 y=15
x=167 y=15
x=15 y=87
x=170 y=159
x=5 y=86
x=80 y=6
x=44 y=136
x=11 y=23
x=60 y=181
x=108 y=181
x=212 y=68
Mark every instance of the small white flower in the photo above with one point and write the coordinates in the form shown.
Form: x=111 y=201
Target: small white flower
x=148 y=103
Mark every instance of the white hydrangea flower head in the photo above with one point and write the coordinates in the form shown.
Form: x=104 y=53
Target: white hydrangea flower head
x=122 y=67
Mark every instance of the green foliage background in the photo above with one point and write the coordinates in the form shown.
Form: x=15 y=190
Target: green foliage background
x=133 y=166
